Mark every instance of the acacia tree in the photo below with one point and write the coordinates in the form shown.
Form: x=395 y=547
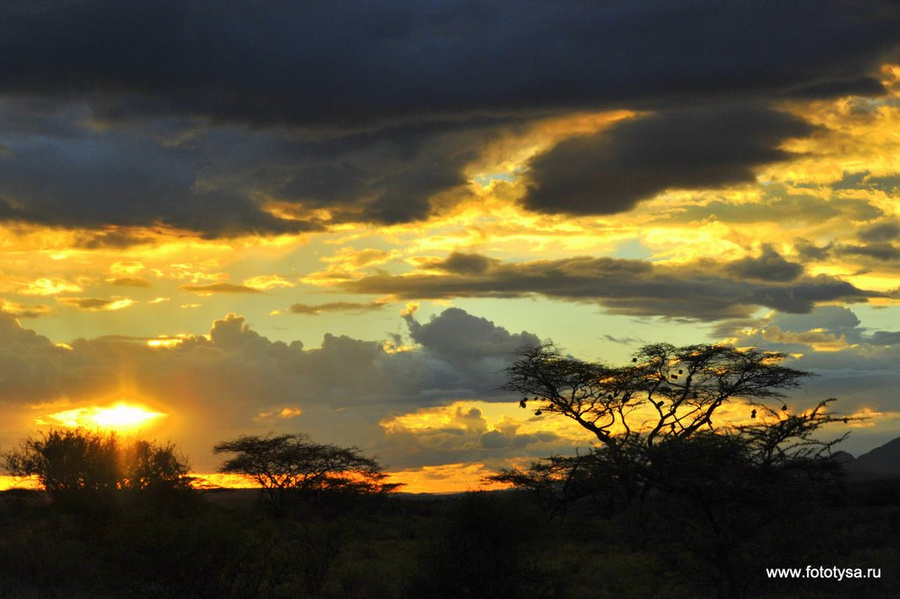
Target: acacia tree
x=292 y=465
x=665 y=394
x=666 y=391
x=720 y=486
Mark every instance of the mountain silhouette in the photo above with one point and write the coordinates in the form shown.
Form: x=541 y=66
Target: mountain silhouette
x=883 y=461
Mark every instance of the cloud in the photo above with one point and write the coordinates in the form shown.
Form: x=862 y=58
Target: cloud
x=278 y=118
x=699 y=291
x=769 y=266
x=116 y=179
x=94 y=303
x=387 y=176
x=824 y=328
x=885 y=338
x=777 y=204
x=212 y=288
x=624 y=340
x=832 y=318
x=276 y=413
x=33 y=368
x=18 y=310
x=237 y=379
x=464 y=264
x=91 y=240
x=266 y=282
x=436 y=403
x=866 y=253
x=851 y=363
x=37 y=286
x=460 y=336
x=817 y=339
x=881 y=233
x=883 y=252
x=130 y=282
x=224 y=181
x=283 y=62
x=313 y=310
x=705 y=147
x=463 y=432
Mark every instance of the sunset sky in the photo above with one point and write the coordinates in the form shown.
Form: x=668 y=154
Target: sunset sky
x=345 y=218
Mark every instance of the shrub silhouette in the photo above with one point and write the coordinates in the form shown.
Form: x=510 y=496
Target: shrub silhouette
x=84 y=467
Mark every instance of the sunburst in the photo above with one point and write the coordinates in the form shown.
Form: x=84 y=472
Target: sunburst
x=122 y=416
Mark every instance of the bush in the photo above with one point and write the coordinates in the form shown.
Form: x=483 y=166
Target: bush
x=86 y=468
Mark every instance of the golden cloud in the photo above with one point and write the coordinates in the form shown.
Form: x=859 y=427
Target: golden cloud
x=92 y=303
x=267 y=282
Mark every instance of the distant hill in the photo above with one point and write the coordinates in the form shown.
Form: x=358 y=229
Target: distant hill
x=883 y=461
x=844 y=459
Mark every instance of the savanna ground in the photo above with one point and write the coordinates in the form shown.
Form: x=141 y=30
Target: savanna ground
x=227 y=544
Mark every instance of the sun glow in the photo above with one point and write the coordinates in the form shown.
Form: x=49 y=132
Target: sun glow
x=120 y=417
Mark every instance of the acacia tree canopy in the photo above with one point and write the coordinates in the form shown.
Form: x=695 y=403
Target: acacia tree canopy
x=666 y=391
x=658 y=410
x=292 y=464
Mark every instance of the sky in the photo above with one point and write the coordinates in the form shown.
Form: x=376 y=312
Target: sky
x=345 y=219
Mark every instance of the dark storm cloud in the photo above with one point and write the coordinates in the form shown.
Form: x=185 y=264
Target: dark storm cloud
x=701 y=291
x=289 y=62
x=882 y=252
x=862 y=86
x=810 y=252
x=465 y=264
x=769 y=266
x=387 y=176
x=611 y=171
x=90 y=240
x=89 y=178
x=885 y=338
x=882 y=232
x=192 y=113
x=864 y=253
x=216 y=180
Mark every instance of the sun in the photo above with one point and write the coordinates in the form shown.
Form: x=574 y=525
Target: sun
x=122 y=416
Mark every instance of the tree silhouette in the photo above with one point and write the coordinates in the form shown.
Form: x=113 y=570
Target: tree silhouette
x=88 y=465
x=710 y=487
x=665 y=392
x=291 y=465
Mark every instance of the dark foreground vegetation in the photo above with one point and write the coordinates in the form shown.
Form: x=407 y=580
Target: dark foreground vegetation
x=668 y=504
x=499 y=544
